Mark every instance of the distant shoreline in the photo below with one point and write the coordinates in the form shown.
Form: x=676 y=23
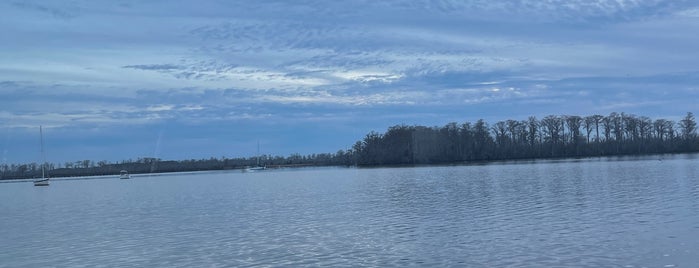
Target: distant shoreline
x=83 y=176
x=83 y=173
x=552 y=137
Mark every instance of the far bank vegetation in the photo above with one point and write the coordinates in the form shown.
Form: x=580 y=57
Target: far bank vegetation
x=554 y=136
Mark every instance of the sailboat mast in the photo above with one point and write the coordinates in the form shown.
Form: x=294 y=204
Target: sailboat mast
x=258 y=153
x=43 y=156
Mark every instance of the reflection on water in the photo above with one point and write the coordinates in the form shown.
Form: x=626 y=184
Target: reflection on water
x=606 y=212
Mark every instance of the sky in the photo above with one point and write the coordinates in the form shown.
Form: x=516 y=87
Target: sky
x=119 y=79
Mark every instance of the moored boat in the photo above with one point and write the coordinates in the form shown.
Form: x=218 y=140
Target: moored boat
x=259 y=166
x=44 y=181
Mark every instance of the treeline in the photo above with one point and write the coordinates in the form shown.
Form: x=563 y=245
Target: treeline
x=156 y=165
x=553 y=136
x=550 y=137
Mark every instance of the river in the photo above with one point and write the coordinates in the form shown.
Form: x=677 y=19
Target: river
x=596 y=212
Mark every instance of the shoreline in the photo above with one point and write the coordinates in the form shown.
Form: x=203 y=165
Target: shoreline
x=294 y=166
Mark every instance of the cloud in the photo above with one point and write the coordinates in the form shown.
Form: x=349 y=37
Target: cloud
x=154 y=67
x=63 y=12
x=160 y=108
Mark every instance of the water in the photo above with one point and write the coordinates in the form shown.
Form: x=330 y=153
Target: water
x=605 y=212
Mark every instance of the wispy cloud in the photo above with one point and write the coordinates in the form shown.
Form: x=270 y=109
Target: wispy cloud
x=154 y=67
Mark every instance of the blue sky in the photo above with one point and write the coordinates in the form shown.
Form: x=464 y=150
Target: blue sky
x=118 y=79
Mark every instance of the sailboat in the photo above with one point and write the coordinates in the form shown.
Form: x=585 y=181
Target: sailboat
x=258 y=167
x=44 y=181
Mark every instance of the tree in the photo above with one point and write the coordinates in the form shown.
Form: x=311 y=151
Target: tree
x=645 y=127
x=533 y=127
x=597 y=120
x=482 y=141
x=573 y=122
x=466 y=141
x=552 y=125
x=588 y=123
x=607 y=125
x=688 y=126
x=500 y=131
x=630 y=125
x=617 y=126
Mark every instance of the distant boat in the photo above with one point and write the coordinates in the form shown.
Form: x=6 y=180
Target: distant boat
x=44 y=181
x=123 y=174
x=41 y=182
x=258 y=167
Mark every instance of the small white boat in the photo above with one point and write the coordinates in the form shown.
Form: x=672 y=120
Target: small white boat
x=124 y=175
x=41 y=182
x=44 y=181
x=257 y=168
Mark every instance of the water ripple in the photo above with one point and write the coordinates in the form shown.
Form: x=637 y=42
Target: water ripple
x=638 y=213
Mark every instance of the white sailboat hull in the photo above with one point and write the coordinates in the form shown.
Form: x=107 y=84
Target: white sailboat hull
x=41 y=182
x=256 y=168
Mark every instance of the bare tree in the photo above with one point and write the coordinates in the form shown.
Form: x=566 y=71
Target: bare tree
x=688 y=126
x=573 y=122
x=588 y=124
x=533 y=127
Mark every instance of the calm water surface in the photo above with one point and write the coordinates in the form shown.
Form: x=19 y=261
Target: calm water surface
x=605 y=212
